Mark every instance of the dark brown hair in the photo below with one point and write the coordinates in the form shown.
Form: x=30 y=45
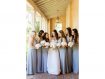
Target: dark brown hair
x=69 y=31
x=62 y=33
x=40 y=33
x=44 y=37
x=75 y=36
x=56 y=34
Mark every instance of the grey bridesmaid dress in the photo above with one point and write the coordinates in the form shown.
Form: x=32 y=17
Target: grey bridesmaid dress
x=44 y=59
x=39 y=59
x=69 y=56
x=76 y=58
x=31 y=61
x=63 y=58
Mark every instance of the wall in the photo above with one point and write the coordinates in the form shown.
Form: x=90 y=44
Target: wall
x=72 y=14
x=71 y=18
x=75 y=13
x=49 y=28
x=68 y=15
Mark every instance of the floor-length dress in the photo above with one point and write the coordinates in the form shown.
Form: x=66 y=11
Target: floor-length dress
x=76 y=58
x=53 y=62
x=31 y=61
x=69 y=56
x=44 y=58
x=63 y=58
x=39 y=59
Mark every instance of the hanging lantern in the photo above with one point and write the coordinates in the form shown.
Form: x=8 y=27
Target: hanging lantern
x=57 y=19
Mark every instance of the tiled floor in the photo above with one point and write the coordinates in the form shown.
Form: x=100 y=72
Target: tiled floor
x=48 y=76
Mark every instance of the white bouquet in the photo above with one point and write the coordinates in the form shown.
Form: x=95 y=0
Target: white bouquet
x=53 y=45
x=64 y=44
x=43 y=43
x=58 y=44
x=37 y=46
x=47 y=44
x=70 y=44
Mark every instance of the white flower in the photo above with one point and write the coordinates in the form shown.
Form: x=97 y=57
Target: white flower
x=37 y=46
x=70 y=44
x=42 y=43
x=47 y=44
x=59 y=44
x=64 y=44
x=53 y=45
x=50 y=45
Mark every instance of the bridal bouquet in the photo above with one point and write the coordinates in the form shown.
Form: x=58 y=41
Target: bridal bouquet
x=43 y=43
x=64 y=44
x=47 y=44
x=53 y=45
x=37 y=46
x=70 y=44
x=58 y=44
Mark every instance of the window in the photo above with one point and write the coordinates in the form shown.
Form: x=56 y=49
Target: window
x=40 y=22
x=30 y=22
x=30 y=17
x=58 y=26
x=44 y=24
x=37 y=22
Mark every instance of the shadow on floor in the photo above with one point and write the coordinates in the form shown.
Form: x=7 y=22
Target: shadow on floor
x=49 y=76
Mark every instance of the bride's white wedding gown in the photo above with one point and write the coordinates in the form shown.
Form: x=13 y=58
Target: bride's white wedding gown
x=53 y=61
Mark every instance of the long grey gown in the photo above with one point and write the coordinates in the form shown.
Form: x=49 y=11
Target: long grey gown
x=31 y=61
x=76 y=58
x=39 y=59
x=44 y=59
x=63 y=58
x=69 y=56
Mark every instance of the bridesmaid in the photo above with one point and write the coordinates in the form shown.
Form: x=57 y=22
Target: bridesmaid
x=75 y=51
x=45 y=52
x=31 y=57
x=69 y=49
x=62 y=51
x=39 y=52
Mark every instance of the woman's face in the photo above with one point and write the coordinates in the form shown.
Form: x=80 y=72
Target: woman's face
x=72 y=32
x=53 y=34
x=59 y=34
x=42 y=34
x=34 y=35
x=66 y=31
x=47 y=35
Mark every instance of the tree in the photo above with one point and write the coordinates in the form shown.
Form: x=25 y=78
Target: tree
x=37 y=26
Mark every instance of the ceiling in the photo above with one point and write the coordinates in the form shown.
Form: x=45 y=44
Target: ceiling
x=52 y=8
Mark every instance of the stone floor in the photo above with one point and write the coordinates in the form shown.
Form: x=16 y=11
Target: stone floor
x=49 y=76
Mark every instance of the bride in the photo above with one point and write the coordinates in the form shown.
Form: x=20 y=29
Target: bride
x=53 y=61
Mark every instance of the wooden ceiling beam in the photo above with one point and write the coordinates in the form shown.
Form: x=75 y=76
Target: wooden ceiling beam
x=50 y=7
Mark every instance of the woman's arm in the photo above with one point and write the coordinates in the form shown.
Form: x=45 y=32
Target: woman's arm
x=70 y=39
x=64 y=40
x=31 y=42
